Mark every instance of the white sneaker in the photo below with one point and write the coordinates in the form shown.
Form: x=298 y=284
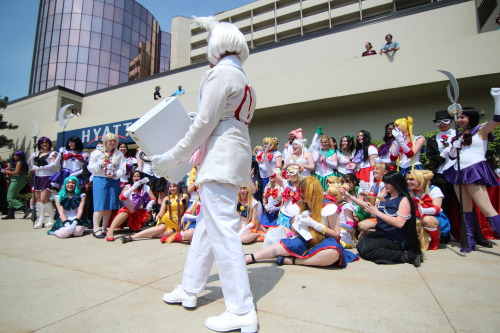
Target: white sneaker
x=229 y=321
x=178 y=295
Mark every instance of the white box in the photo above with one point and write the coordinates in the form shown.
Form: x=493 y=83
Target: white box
x=160 y=129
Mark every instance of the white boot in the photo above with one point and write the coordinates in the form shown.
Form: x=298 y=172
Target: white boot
x=41 y=216
x=229 y=321
x=50 y=210
x=178 y=295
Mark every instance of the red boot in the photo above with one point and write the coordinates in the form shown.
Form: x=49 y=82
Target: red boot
x=434 y=233
x=177 y=238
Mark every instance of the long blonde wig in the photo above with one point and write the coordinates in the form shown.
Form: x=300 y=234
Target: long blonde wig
x=313 y=202
x=407 y=126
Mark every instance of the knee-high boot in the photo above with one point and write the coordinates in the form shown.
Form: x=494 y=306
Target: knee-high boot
x=50 y=210
x=469 y=229
x=478 y=235
x=41 y=216
x=495 y=223
x=434 y=233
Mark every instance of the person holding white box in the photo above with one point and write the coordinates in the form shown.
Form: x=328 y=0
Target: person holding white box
x=220 y=131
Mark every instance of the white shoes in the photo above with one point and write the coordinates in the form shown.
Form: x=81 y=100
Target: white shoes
x=230 y=321
x=178 y=295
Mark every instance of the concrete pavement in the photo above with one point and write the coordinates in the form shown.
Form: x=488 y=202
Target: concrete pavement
x=90 y=285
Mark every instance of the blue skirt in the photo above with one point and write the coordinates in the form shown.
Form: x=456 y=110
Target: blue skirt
x=444 y=223
x=269 y=219
x=54 y=179
x=106 y=193
x=479 y=174
x=298 y=247
x=404 y=171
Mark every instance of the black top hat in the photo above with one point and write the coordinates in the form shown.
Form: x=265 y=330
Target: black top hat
x=443 y=114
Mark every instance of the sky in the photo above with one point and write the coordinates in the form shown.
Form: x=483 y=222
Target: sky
x=18 y=27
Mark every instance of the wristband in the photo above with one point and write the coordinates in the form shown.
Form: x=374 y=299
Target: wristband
x=409 y=153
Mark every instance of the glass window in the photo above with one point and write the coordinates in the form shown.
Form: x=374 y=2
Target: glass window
x=105 y=43
x=137 y=9
x=59 y=7
x=135 y=39
x=126 y=34
x=116 y=45
x=81 y=72
x=115 y=62
x=61 y=71
x=94 y=57
x=103 y=75
x=53 y=54
x=64 y=39
x=129 y=6
x=83 y=55
x=108 y=12
x=127 y=19
x=126 y=50
x=80 y=86
x=50 y=22
x=43 y=85
x=52 y=71
x=117 y=30
x=44 y=71
x=101 y=86
x=72 y=54
x=92 y=72
x=96 y=24
x=136 y=23
x=144 y=14
x=63 y=54
x=55 y=37
x=50 y=83
x=51 y=7
x=86 y=22
x=120 y=4
x=48 y=36
x=57 y=21
x=60 y=82
x=95 y=40
x=124 y=66
x=77 y=6
x=67 y=6
x=70 y=71
x=91 y=86
x=84 y=38
x=107 y=27
x=118 y=16
x=76 y=19
x=123 y=77
x=87 y=7
x=143 y=29
x=114 y=77
x=70 y=84
x=104 y=59
x=98 y=9
x=74 y=37
x=66 y=21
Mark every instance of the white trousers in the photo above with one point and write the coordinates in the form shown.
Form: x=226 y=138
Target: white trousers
x=216 y=237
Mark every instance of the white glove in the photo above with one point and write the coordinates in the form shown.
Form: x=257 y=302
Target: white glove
x=309 y=222
x=162 y=164
x=395 y=150
x=271 y=208
x=398 y=135
x=426 y=211
x=365 y=186
x=135 y=185
x=457 y=144
x=76 y=173
x=495 y=92
x=189 y=216
x=247 y=227
x=143 y=181
x=150 y=205
x=131 y=189
x=61 y=150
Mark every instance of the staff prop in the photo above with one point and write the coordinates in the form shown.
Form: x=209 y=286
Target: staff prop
x=64 y=123
x=455 y=110
x=35 y=132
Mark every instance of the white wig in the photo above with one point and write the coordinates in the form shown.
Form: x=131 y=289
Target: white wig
x=223 y=37
x=300 y=142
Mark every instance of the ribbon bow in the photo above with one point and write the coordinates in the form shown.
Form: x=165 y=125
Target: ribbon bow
x=425 y=202
x=261 y=154
x=70 y=203
x=71 y=155
x=273 y=193
x=290 y=194
x=140 y=199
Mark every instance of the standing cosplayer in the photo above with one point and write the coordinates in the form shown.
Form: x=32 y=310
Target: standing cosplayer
x=226 y=107
x=475 y=173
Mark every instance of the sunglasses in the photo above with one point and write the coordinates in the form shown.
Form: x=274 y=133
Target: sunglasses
x=443 y=121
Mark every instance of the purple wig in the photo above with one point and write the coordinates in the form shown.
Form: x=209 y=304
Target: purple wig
x=42 y=139
x=22 y=159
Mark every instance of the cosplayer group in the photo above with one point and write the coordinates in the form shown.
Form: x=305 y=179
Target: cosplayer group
x=310 y=204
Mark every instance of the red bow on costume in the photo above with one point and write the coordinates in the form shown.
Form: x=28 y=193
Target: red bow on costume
x=289 y=194
x=274 y=193
x=70 y=155
x=425 y=202
x=269 y=157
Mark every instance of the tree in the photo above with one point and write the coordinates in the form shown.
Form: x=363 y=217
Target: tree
x=4 y=141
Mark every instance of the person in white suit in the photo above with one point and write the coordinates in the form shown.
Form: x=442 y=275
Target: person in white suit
x=220 y=133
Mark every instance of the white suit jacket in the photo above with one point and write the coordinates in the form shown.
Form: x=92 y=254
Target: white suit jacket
x=226 y=107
